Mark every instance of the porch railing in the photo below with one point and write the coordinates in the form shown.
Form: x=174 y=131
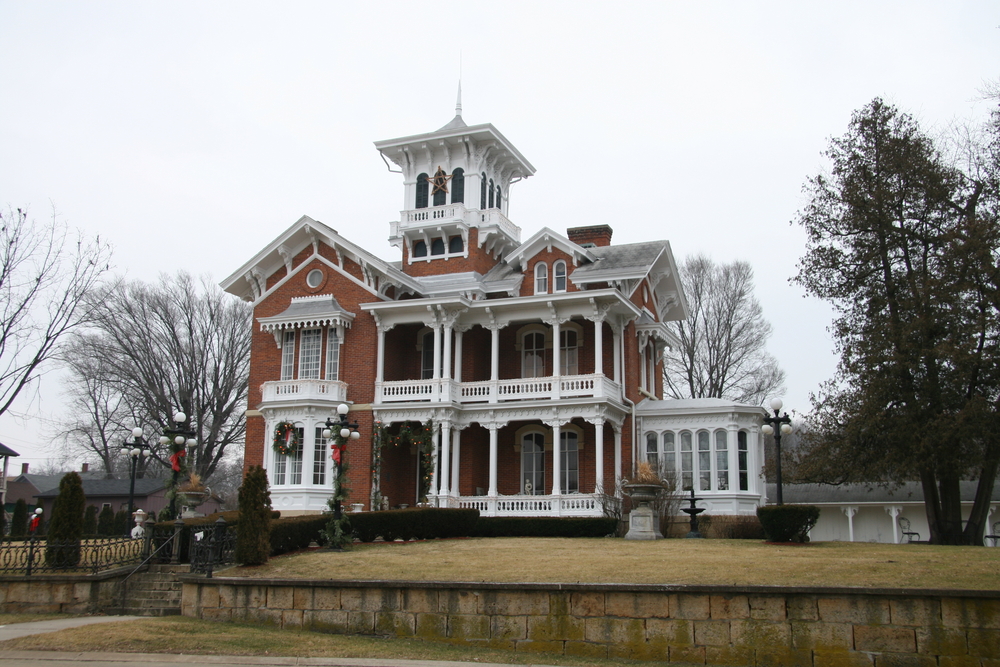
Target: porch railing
x=499 y=391
x=331 y=391
x=571 y=504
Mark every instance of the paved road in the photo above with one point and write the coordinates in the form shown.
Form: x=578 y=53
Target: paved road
x=68 y=659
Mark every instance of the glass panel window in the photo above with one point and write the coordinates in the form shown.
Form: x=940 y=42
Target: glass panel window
x=541 y=278
x=559 y=276
x=743 y=460
x=278 y=475
x=704 y=461
x=456 y=245
x=533 y=355
x=569 y=352
x=722 y=460
x=533 y=464
x=458 y=186
x=420 y=249
x=288 y=355
x=319 y=457
x=482 y=190
x=669 y=455
x=687 y=463
x=333 y=355
x=295 y=460
x=427 y=356
x=569 y=461
x=437 y=247
x=309 y=353
x=421 y=191
x=491 y=193
x=652 y=455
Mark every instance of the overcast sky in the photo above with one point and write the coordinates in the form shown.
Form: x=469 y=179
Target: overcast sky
x=190 y=134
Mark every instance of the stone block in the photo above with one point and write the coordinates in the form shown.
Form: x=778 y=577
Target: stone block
x=515 y=603
x=802 y=608
x=501 y=644
x=327 y=620
x=265 y=616
x=748 y=632
x=971 y=612
x=655 y=650
x=302 y=598
x=218 y=614
x=618 y=631
x=691 y=607
x=737 y=656
x=458 y=602
x=637 y=605
x=559 y=603
x=729 y=606
x=984 y=643
x=857 y=609
x=586 y=649
x=279 y=597
x=711 y=633
x=905 y=660
x=469 y=626
x=884 y=639
x=786 y=657
x=360 y=622
x=18 y=591
x=189 y=595
x=673 y=632
x=396 y=623
x=509 y=627
x=942 y=641
x=842 y=659
x=291 y=618
x=420 y=600
x=824 y=636
x=691 y=654
x=326 y=598
x=538 y=646
x=963 y=661
x=587 y=604
x=920 y=612
x=554 y=628
x=769 y=608
x=209 y=597
x=62 y=593
x=432 y=626
x=81 y=591
x=227 y=596
x=370 y=599
x=256 y=596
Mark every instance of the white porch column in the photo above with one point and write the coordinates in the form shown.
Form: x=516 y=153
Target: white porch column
x=616 y=344
x=598 y=454
x=599 y=345
x=850 y=511
x=556 y=350
x=456 y=460
x=435 y=457
x=894 y=511
x=446 y=366
x=494 y=428
x=380 y=362
x=556 y=427
x=436 y=374
x=618 y=454
x=445 y=457
x=458 y=352
x=494 y=362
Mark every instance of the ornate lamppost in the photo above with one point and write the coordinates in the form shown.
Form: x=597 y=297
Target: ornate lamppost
x=139 y=448
x=345 y=430
x=180 y=438
x=777 y=425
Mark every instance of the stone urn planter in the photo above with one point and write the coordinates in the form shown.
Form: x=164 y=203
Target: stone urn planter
x=642 y=521
x=193 y=499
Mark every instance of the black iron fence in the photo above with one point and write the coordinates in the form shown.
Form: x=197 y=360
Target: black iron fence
x=46 y=556
x=212 y=546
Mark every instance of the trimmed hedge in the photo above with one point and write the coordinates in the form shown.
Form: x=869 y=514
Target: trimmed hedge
x=544 y=526
x=421 y=523
x=296 y=532
x=787 y=523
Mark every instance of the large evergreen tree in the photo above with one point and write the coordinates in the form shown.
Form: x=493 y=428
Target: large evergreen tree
x=66 y=525
x=19 y=520
x=253 y=535
x=904 y=243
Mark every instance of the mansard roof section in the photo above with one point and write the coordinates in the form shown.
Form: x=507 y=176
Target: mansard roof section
x=545 y=240
x=625 y=266
x=694 y=406
x=250 y=280
x=483 y=140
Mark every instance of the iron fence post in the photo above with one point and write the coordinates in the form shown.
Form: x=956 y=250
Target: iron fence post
x=175 y=552
x=147 y=538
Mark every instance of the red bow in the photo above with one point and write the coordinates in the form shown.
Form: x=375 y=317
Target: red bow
x=175 y=460
x=337 y=451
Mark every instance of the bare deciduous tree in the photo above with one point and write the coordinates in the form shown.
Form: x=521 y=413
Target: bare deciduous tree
x=45 y=279
x=723 y=342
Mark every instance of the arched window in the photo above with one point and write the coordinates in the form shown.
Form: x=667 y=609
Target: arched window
x=652 y=454
x=687 y=462
x=743 y=460
x=533 y=464
x=458 y=186
x=541 y=278
x=559 y=276
x=455 y=245
x=491 y=193
x=569 y=341
x=533 y=355
x=440 y=190
x=669 y=455
x=437 y=247
x=722 y=460
x=419 y=249
x=499 y=197
x=482 y=190
x=704 y=461
x=421 y=191
x=569 y=461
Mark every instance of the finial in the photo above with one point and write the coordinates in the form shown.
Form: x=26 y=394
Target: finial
x=458 y=104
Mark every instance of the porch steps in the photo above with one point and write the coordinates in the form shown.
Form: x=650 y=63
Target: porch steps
x=155 y=592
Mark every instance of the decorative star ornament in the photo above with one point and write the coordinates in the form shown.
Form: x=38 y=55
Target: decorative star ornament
x=439 y=180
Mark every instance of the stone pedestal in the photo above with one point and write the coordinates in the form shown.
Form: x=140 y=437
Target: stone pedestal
x=643 y=524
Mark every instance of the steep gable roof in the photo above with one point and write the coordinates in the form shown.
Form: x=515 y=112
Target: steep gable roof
x=546 y=239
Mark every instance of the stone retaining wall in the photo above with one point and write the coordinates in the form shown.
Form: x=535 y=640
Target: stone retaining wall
x=694 y=624
x=70 y=594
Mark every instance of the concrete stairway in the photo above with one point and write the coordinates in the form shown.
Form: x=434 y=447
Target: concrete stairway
x=155 y=592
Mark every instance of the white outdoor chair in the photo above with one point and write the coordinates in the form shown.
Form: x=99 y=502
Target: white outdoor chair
x=904 y=527
x=991 y=540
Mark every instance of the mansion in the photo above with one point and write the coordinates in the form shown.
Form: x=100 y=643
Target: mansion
x=519 y=376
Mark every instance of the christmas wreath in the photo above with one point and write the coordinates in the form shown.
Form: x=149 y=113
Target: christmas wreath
x=286 y=438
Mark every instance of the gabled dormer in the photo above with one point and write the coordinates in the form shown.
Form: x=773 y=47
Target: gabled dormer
x=456 y=183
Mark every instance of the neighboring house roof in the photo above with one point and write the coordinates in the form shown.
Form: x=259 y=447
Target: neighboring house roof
x=843 y=494
x=112 y=487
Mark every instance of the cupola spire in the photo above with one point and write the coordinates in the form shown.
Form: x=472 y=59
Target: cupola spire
x=458 y=103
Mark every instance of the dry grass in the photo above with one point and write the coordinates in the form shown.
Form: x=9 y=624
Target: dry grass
x=11 y=619
x=190 y=636
x=608 y=560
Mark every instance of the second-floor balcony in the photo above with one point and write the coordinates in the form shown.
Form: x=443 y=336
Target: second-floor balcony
x=304 y=391
x=498 y=391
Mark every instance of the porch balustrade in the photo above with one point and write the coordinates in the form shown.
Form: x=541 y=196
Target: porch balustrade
x=499 y=391
x=331 y=391
x=575 y=504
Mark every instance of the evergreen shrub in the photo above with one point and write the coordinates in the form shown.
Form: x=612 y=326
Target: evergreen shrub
x=545 y=526
x=106 y=521
x=421 y=523
x=253 y=537
x=787 y=523
x=296 y=532
x=19 y=520
x=121 y=525
x=90 y=520
x=66 y=525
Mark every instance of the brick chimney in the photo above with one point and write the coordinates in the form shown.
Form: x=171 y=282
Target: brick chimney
x=24 y=468
x=86 y=467
x=599 y=235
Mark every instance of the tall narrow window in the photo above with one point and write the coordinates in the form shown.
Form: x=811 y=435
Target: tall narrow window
x=533 y=464
x=669 y=455
x=722 y=460
x=437 y=247
x=309 y=353
x=421 y=191
x=499 y=197
x=295 y=460
x=569 y=461
x=458 y=186
x=687 y=462
x=440 y=196
x=319 y=457
x=559 y=276
x=455 y=245
x=427 y=356
x=568 y=352
x=652 y=455
x=482 y=191
x=743 y=460
x=704 y=461
x=533 y=355
x=280 y=469
x=541 y=278
x=333 y=355
x=491 y=193
x=288 y=355
x=420 y=249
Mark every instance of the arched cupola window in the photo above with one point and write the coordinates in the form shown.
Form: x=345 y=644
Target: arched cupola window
x=440 y=190
x=491 y=193
x=419 y=249
x=458 y=186
x=559 y=276
x=455 y=245
x=421 y=191
x=541 y=278
x=482 y=190
x=499 y=197
x=437 y=247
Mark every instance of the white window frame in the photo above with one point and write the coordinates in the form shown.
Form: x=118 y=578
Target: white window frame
x=310 y=353
x=669 y=450
x=569 y=356
x=743 y=460
x=687 y=460
x=569 y=460
x=703 y=462
x=333 y=354
x=288 y=355
x=537 y=474
x=319 y=457
x=541 y=278
x=559 y=276
x=537 y=356
x=653 y=450
x=722 y=466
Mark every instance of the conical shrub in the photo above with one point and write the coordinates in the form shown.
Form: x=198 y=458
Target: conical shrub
x=66 y=525
x=253 y=535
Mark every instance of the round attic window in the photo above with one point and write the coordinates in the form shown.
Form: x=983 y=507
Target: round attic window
x=314 y=278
